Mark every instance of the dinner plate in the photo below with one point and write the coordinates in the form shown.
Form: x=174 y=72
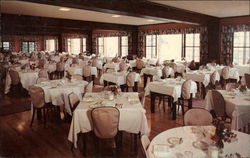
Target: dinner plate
x=200 y=145
x=175 y=140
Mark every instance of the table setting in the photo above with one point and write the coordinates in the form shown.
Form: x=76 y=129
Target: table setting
x=199 y=142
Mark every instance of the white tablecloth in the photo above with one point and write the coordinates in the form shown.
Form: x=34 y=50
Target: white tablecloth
x=170 y=87
x=242 y=69
x=118 y=78
x=199 y=76
x=242 y=145
x=154 y=71
x=28 y=78
x=132 y=115
x=237 y=107
x=56 y=91
x=114 y=66
x=78 y=71
x=51 y=67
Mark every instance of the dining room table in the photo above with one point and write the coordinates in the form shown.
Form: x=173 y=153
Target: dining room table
x=132 y=117
x=78 y=70
x=196 y=142
x=57 y=91
x=118 y=78
x=243 y=69
x=150 y=72
x=169 y=87
x=237 y=106
x=113 y=66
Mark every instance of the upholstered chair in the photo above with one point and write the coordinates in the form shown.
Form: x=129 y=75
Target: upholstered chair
x=130 y=80
x=145 y=143
x=185 y=95
x=165 y=72
x=73 y=101
x=43 y=73
x=86 y=71
x=122 y=66
x=41 y=79
x=197 y=117
x=139 y=65
x=105 y=124
x=214 y=79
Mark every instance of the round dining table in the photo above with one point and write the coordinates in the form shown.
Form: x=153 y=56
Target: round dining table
x=194 y=142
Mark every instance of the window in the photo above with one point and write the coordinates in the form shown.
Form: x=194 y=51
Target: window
x=151 y=46
x=76 y=45
x=241 y=47
x=101 y=46
x=50 y=45
x=169 y=47
x=84 y=44
x=28 y=46
x=124 y=46
x=6 y=46
x=108 y=46
x=192 y=47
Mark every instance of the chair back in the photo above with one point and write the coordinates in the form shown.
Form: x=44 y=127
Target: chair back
x=77 y=77
x=43 y=73
x=14 y=77
x=215 y=76
x=75 y=61
x=41 y=79
x=186 y=89
x=165 y=72
x=122 y=66
x=89 y=87
x=37 y=96
x=145 y=143
x=247 y=80
x=219 y=104
x=139 y=64
x=94 y=62
x=86 y=71
x=173 y=66
x=130 y=79
x=230 y=86
x=225 y=72
x=105 y=121
x=60 y=66
x=73 y=101
x=197 y=117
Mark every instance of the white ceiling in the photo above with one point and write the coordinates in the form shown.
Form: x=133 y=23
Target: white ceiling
x=219 y=8
x=35 y=9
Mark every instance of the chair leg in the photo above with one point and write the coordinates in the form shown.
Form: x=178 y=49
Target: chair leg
x=44 y=117
x=182 y=106
x=33 y=116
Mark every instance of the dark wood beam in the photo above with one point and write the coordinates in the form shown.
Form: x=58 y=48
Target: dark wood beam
x=141 y=8
x=22 y=24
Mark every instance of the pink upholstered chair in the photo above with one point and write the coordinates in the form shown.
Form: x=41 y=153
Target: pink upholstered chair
x=43 y=73
x=86 y=71
x=230 y=86
x=165 y=72
x=139 y=65
x=130 y=80
x=214 y=79
x=60 y=69
x=145 y=143
x=123 y=66
x=247 y=80
x=197 y=117
x=73 y=101
x=186 y=95
x=105 y=124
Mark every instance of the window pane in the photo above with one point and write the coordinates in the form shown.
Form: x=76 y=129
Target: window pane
x=84 y=44
x=239 y=39
x=148 y=40
x=248 y=39
x=25 y=46
x=124 y=51
x=247 y=55
x=238 y=56
x=31 y=46
x=100 y=41
x=149 y=52
x=74 y=45
x=189 y=39
x=197 y=39
x=189 y=53
x=50 y=45
x=6 y=46
x=124 y=40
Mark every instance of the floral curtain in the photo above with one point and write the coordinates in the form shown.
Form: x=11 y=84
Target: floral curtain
x=203 y=38
x=227 y=35
x=119 y=34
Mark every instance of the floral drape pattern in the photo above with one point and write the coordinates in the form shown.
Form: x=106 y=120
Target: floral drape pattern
x=119 y=34
x=227 y=35
x=203 y=38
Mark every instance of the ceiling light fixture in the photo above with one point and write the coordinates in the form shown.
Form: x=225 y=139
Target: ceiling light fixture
x=64 y=9
x=116 y=16
x=151 y=20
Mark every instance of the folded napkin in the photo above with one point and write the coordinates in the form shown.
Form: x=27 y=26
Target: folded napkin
x=161 y=151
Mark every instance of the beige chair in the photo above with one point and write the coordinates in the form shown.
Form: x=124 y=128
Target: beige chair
x=123 y=66
x=89 y=87
x=197 y=117
x=225 y=73
x=214 y=79
x=86 y=72
x=247 y=80
x=145 y=143
x=231 y=86
x=60 y=69
x=219 y=105
x=43 y=73
x=105 y=124
x=73 y=101
x=139 y=64
x=15 y=80
x=165 y=72
x=77 y=77
x=173 y=66
x=94 y=62
x=38 y=102
x=41 y=79
x=185 y=95
x=130 y=80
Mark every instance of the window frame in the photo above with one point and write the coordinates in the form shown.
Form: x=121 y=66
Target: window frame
x=28 y=46
x=193 y=46
x=151 y=46
x=82 y=45
x=122 y=45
